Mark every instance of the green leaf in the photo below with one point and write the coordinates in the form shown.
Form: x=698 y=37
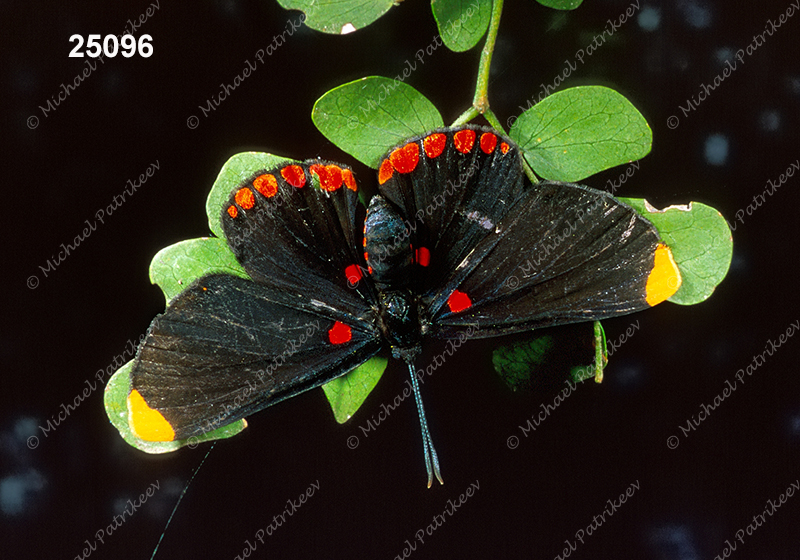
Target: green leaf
x=339 y=16
x=581 y=131
x=548 y=358
x=561 y=4
x=115 y=400
x=238 y=168
x=175 y=267
x=701 y=244
x=579 y=374
x=600 y=353
x=461 y=23
x=516 y=362
x=348 y=392
x=368 y=116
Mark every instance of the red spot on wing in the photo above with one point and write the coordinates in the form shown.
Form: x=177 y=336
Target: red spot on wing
x=423 y=256
x=434 y=144
x=385 y=172
x=294 y=175
x=266 y=184
x=353 y=274
x=488 y=142
x=405 y=159
x=330 y=176
x=464 y=140
x=244 y=198
x=339 y=333
x=504 y=147
x=458 y=301
x=349 y=180
x=233 y=211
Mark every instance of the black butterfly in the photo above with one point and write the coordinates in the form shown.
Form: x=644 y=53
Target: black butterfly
x=458 y=239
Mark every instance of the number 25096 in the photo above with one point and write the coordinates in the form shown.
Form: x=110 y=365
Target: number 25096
x=111 y=46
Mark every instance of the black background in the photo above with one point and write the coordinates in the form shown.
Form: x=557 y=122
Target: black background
x=130 y=113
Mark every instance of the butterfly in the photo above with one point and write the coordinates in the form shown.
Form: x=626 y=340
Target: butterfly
x=457 y=240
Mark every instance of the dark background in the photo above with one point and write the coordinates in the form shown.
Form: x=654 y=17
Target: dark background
x=130 y=113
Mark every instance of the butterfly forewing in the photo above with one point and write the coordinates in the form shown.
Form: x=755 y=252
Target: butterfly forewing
x=294 y=227
x=227 y=347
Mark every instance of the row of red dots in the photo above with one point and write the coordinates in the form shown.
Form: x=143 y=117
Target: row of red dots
x=406 y=158
x=331 y=178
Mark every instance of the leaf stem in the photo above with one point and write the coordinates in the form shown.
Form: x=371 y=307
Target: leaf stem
x=481 y=100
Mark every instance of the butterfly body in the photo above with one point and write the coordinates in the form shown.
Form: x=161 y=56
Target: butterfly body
x=457 y=238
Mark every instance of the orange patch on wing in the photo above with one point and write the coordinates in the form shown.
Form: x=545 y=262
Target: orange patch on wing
x=146 y=423
x=406 y=158
x=266 y=184
x=488 y=142
x=340 y=333
x=244 y=198
x=233 y=211
x=665 y=278
x=504 y=147
x=464 y=140
x=330 y=176
x=423 y=256
x=458 y=301
x=353 y=274
x=434 y=144
x=349 y=180
x=294 y=175
x=385 y=172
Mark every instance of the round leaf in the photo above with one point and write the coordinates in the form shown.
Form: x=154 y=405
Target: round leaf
x=175 y=267
x=581 y=131
x=237 y=169
x=115 y=400
x=462 y=23
x=701 y=244
x=348 y=392
x=339 y=16
x=368 y=116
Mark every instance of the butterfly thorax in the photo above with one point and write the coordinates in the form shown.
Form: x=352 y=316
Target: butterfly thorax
x=400 y=323
x=387 y=247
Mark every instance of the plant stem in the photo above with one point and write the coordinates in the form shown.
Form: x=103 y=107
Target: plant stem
x=493 y=120
x=466 y=116
x=481 y=100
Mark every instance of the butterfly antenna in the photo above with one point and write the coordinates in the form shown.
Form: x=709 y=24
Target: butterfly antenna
x=431 y=459
x=185 y=488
